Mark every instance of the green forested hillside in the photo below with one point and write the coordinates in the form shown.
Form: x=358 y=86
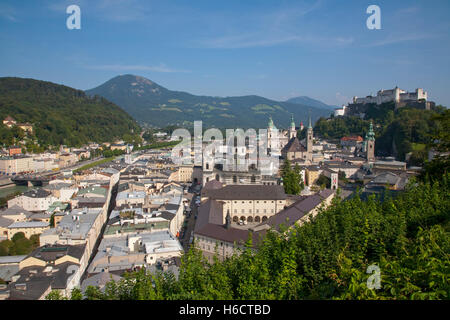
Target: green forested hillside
x=397 y=132
x=60 y=114
x=150 y=103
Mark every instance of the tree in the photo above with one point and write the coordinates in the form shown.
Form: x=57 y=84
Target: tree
x=5 y=247
x=291 y=178
x=18 y=236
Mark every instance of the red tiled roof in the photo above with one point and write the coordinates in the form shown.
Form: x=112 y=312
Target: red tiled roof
x=352 y=138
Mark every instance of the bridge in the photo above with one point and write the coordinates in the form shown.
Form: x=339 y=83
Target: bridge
x=30 y=180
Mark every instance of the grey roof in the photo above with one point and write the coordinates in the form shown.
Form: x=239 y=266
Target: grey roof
x=11 y=259
x=37 y=281
x=59 y=186
x=8 y=270
x=294 y=145
x=213 y=184
x=209 y=223
x=15 y=210
x=37 y=193
x=53 y=252
x=99 y=280
x=29 y=224
x=298 y=210
x=247 y=192
x=210 y=211
x=4 y=222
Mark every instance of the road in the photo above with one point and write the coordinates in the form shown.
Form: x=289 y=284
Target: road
x=190 y=223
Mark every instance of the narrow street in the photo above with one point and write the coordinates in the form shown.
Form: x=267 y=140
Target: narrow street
x=190 y=222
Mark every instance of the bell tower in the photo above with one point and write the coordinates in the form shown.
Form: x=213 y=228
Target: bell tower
x=292 y=131
x=370 y=144
x=309 y=140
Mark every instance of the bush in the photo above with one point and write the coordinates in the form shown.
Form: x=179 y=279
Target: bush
x=23 y=246
x=18 y=236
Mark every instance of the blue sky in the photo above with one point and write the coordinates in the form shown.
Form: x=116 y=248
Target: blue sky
x=277 y=49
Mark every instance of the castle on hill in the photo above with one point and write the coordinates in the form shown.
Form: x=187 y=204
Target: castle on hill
x=416 y=99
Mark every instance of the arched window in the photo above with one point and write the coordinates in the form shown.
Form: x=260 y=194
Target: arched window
x=217 y=177
x=253 y=179
x=242 y=218
x=264 y=218
x=250 y=219
x=234 y=179
x=257 y=219
x=235 y=219
x=207 y=166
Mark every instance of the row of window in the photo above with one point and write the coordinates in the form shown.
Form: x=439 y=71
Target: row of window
x=249 y=219
x=250 y=202
x=250 y=211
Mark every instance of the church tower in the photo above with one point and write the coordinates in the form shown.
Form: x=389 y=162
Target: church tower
x=292 y=131
x=370 y=144
x=309 y=139
x=271 y=135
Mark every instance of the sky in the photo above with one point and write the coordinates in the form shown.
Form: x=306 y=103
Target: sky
x=276 y=49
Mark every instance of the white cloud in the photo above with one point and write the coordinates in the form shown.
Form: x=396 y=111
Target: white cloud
x=8 y=12
x=258 y=40
x=394 y=39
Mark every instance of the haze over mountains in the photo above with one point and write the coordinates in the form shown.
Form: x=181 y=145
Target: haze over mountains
x=304 y=100
x=152 y=104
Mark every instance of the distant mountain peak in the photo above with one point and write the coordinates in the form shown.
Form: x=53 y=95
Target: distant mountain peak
x=153 y=104
x=305 y=100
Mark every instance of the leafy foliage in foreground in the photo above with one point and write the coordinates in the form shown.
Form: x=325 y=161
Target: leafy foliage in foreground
x=327 y=258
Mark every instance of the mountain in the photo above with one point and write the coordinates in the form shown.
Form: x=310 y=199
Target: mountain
x=304 y=100
x=63 y=115
x=155 y=105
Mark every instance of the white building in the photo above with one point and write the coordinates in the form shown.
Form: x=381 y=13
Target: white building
x=397 y=95
x=340 y=111
x=33 y=200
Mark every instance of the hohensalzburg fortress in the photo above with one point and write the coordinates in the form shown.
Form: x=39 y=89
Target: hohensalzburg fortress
x=397 y=95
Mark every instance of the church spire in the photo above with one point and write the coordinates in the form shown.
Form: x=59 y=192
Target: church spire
x=292 y=121
x=370 y=135
x=309 y=125
x=270 y=124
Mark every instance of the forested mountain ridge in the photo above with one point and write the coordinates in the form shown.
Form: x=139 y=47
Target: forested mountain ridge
x=310 y=102
x=155 y=105
x=63 y=115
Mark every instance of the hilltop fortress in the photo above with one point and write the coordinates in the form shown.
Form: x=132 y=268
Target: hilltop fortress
x=401 y=98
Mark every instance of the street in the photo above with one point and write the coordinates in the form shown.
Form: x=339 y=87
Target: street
x=190 y=219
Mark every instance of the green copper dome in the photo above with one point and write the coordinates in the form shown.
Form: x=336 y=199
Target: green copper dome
x=371 y=134
x=270 y=125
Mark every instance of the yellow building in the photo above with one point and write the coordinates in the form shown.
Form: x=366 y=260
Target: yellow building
x=28 y=228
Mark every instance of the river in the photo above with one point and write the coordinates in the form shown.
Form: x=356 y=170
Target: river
x=12 y=189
